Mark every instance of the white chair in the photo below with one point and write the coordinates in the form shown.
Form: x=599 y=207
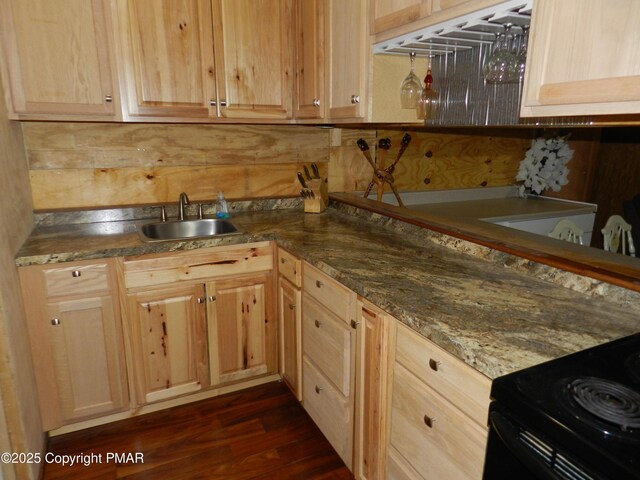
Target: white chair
x=568 y=231
x=617 y=233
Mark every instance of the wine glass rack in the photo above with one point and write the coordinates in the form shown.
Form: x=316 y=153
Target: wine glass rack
x=462 y=33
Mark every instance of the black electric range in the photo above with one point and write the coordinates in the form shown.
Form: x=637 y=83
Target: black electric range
x=575 y=417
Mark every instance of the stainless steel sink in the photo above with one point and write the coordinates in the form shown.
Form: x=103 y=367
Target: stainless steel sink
x=185 y=229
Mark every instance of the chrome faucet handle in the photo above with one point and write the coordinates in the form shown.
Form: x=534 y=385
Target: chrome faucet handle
x=200 y=211
x=182 y=201
x=163 y=212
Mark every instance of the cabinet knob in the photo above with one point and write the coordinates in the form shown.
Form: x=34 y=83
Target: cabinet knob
x=108 y=98
x=318 y=389
x=354 y=324
x=200 y=300
x=292 y=306
x=212 y=103
x=317 y=322
x=223 y=103
x=283 y=260
x=428 y=421
x=319 y=284
x=434 y=364
x=76 y=273
x=316 y=102
x=55 y=321
x=211 y=298
x=355 y=99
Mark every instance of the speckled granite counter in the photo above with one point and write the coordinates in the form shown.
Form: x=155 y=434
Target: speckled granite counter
x=496 y=319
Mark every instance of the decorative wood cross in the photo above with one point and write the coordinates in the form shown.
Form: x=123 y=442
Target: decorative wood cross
x=382 y=175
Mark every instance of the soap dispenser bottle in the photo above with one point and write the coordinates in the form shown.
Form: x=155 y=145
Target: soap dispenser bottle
x=222 y=209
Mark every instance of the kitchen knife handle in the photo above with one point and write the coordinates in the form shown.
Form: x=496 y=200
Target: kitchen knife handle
x=362 y=144
x=315 y=170
x=301 y=180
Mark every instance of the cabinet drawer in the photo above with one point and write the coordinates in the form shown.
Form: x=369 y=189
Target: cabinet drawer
x=436 y=438
x=464 y=386
x=199 y=265
x=327 y=342
x=290 y=267
x=328 y=292
x=77 y=279
x=331 y=412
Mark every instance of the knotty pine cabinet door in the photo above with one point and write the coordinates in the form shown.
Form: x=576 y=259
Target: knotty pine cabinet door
x=57 y=61
x=583 y=58
x=347 y=54
x=75 y=332
x=166 y=47
x=241 y=328
x=254 y=51
x=309 y=94
x=169 y=341
x=388 y=14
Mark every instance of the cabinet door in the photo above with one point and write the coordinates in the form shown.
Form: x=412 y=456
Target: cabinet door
x=388 y=14
x=375 y=340
x=167 y=53
x=309 y=99
x=76 y=341
x=169 y=341
x=583 y=58
x=57 y=60
x=254 y=53
x=290 y=318
x=241 y=328
x=347 y=58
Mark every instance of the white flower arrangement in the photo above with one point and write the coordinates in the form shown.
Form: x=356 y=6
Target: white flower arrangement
x=544 y=166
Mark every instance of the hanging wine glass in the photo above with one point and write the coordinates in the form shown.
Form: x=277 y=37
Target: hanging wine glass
x=411 y=88
x=501 y=65
x=429 y=100
x=522 y=53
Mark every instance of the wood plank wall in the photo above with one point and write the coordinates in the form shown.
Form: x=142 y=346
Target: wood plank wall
x=76 y=165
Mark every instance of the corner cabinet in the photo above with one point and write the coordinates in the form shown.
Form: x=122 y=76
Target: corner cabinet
x=211 y=58
x=583 y=58
x=347 y=58
x=58 y=60
x=199 y=319
x=76 y=337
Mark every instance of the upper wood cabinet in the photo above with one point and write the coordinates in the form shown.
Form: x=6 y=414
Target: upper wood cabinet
x=388 y=14
x=347 y=62
x=583 y=58
x=202 y=59
x=254 y=58
x=309 y=96
x=75 y=332
x=167 y=57
x=57 y=60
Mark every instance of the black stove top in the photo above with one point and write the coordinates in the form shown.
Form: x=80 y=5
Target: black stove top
x=587 y=404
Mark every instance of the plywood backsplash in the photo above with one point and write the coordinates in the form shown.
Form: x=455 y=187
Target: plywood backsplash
x=76 y=165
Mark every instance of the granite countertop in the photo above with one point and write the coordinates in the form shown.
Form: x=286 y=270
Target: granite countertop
x=494 y=318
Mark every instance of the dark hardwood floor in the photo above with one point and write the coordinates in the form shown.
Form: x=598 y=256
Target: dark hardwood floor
x=259 y=433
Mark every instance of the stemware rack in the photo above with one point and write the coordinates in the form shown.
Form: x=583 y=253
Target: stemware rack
x=461 y=33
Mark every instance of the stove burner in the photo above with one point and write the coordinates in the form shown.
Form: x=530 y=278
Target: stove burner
x=607 y=400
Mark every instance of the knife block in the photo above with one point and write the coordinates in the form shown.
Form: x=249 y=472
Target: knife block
x=320 y=200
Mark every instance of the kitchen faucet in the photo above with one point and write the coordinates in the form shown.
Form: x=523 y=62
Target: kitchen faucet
x=182 y=201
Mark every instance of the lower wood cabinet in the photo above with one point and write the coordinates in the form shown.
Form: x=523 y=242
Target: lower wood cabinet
x=74 y=325
x=241 y=328
x=329 y=347
x=168 y=339
x=200 y=319
x=438 y=413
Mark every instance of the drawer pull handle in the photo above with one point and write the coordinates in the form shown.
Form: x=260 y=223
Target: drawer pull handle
x=76 y=273
x=55 y=321
x=428 y=421
x=318 y=389
x=319 y=284
x=434 y=364
x=292 y=306
x=317 y=322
